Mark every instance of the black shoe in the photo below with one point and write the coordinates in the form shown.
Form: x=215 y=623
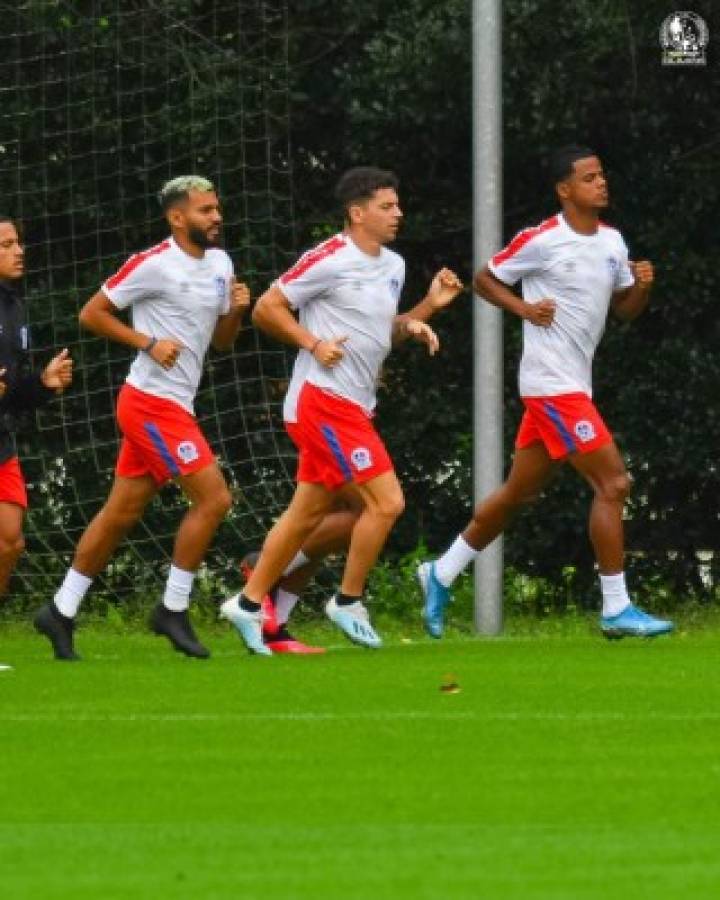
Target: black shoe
x=58 y=629
x=177 y=629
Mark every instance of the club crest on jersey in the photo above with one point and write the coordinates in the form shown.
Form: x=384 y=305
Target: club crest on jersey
x=187 y=451
x=585 y=430
x=220 y=287
x=395 y=286
x=361 y=458
x=612 y=265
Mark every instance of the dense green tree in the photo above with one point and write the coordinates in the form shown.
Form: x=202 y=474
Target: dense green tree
x=100 y=101
x=390 y=84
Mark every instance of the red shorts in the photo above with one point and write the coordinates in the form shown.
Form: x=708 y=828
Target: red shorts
x=567 y=423
x=12 y=483
x=336 y=440
x=160 y=438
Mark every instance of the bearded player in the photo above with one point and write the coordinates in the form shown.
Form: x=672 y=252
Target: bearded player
x=183 y=296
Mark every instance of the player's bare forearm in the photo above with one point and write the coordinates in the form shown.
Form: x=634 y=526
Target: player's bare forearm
x=272 y=315
x=443 y=289
x=630 y=303
x=494 y=291
x=228 y=326
x=100 y=316
x=400 y=326
x=227 y=329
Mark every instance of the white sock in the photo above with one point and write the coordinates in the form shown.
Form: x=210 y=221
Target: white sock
x=614 y=594
x=454 y=560
x=284 y=605
x=177 y=589
x=71 y=592
x=297 y=562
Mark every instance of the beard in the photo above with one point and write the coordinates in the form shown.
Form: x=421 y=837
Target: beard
x=201 y=239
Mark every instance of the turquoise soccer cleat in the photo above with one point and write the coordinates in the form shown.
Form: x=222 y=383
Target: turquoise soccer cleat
x=355 y=622
x=634 y=622
x=248 y=624
x=437 y=597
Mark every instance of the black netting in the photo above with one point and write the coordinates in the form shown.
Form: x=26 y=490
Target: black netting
x=100 y=103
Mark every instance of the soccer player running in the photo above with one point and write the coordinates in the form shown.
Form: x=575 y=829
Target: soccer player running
x=346 y=291
x=333 y=533
x=183 y=297
x=573 y=268
x=21 y=392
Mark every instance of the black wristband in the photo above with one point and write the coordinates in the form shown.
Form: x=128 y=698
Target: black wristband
x=151 y=343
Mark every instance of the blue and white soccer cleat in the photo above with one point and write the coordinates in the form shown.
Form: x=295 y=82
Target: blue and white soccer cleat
x=437 y=597
x=248 y=624
x=355 y=622
x=633 y=622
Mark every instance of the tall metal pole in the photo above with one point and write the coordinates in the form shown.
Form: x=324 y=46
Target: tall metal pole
x=487 y=320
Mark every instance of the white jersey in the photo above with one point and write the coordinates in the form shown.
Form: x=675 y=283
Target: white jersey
x=340 y=290
x=173 y=295
x=580 y=273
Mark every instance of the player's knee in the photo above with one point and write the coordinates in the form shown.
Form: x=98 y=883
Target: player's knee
x=617 y=488
x=119 y=521
x=392 y=506
x=224 y=502
x=527 y=497
x=516 y=496
x=219 y=504
x=11 y=547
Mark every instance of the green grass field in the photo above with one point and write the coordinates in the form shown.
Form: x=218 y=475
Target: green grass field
x=566 y=767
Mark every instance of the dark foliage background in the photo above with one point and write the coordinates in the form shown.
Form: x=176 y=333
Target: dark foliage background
x=99 y=101
x=391 y=85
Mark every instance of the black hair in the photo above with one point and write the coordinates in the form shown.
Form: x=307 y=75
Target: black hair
x=4 y=218
x=359 y=184
x=563 y=159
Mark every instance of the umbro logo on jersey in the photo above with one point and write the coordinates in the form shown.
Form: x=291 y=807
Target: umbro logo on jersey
x=585 y=430
x=220 y=287
x=612 y=264
x=187 y=451
x=361 y=458
x=395 y=286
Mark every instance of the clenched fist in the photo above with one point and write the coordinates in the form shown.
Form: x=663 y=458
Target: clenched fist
x=541 y=313
x=444 y=288
x=165 y=352
x=239 y=296
x=329 y=353
x=644 y=273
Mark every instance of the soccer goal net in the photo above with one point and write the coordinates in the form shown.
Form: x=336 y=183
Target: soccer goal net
x=101 y=101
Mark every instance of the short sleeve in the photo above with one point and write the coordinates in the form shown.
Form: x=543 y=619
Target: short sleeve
x=624 y=277
x=133 y=281
x=523 y=256
x=312 y=276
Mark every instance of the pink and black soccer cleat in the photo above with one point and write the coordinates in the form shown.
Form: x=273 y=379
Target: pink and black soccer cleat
x=275 y=636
